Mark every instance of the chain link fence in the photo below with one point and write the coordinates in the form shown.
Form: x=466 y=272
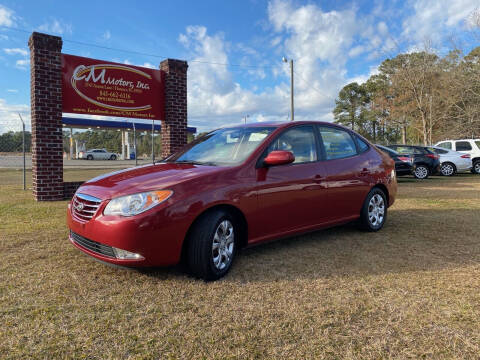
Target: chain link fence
x=15 y=155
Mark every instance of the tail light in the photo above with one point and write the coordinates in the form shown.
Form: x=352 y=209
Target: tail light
x=404 y=158
x=466 y=156
x=433 y=156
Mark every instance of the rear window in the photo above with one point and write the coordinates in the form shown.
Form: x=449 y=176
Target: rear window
x=463 y=146
x=438 y=151
x=362 y=145
x=446 y=145
x=338 y=143
x=390 y=152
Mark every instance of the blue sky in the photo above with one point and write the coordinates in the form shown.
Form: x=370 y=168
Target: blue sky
x=332 y=43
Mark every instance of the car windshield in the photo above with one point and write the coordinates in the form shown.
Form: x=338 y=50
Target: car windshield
x=223 y=147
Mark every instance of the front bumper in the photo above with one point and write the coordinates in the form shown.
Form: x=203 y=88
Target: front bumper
x=152 y=234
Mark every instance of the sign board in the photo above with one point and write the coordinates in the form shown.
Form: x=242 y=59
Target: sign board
x=97 y=87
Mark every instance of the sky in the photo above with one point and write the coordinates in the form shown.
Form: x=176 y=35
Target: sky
x=234 y=48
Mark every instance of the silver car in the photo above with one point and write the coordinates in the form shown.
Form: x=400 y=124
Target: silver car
x=99 y=154
x=451 y=161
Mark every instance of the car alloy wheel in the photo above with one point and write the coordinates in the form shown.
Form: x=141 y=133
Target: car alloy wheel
x=421 y=172
x=447 y=169
x=376 y=210
x=212 y=245
x=476 y=167
x=223 y=244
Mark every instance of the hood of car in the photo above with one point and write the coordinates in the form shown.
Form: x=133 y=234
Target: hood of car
x=144 y=178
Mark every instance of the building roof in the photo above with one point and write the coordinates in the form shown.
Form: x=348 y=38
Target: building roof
x=113 y=124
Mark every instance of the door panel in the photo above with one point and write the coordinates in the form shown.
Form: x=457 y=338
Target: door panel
x=292 y=196
x=348 y=173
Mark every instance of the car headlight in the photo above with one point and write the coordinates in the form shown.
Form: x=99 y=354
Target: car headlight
x=136 y=203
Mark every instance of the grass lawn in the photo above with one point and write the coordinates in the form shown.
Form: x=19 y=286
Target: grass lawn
x=411 y=290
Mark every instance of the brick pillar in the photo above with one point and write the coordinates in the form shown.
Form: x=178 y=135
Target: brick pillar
x=174 y=126
x=46 y=114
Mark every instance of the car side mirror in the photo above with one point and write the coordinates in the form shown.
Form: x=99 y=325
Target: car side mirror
x=279 y=157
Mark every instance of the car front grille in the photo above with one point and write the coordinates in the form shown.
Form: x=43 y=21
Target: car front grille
x=91 y=245
x=84 y=207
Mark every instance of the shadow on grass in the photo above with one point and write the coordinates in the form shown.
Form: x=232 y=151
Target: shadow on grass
x=411 y=241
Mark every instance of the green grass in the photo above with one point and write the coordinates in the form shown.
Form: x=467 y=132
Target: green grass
x=408 y=291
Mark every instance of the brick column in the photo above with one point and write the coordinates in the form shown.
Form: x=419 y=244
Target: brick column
x=174 y=126
x=46 y=115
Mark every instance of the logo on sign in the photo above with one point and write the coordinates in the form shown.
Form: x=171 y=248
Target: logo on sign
x=97 y=75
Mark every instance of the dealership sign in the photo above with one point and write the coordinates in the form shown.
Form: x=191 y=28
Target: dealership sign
x=96 y=87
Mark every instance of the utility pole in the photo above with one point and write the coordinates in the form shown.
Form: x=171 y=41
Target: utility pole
x=245 y=119
x=135 y=142
x=284 y=59
x=23 y=149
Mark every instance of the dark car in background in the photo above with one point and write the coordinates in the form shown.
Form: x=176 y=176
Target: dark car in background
x=403 y=163
x=425 y=162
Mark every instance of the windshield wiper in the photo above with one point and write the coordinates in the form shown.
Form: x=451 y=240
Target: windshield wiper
x=207 y=163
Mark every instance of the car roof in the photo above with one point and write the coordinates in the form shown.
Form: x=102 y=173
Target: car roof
x=438 y=142
x=282 y=124
x=387 y=148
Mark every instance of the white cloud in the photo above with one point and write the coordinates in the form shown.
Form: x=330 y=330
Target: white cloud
x=106 y=35
x=16 y=51
x=6 y=16
x=434 y=19
x=214 y=98
x=22 y=64
x=9 y=116
x=149 y=65
x=12 y=90
x=56 y=27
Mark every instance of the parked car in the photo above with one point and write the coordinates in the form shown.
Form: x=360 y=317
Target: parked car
x=451 y=161
x=465 y=146
x=403 y=163
x=99 y=154
x=425 y=162
x=231 y=188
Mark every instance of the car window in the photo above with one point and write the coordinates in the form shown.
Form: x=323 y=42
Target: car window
x=446 y=145
x=463 y=146
x=438 y=151
x=338 y=143
x=362 y=145
x=404 y=150
x=300 y=141
x=478 y=143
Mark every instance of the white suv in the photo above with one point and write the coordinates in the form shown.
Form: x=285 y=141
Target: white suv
x=466 y=146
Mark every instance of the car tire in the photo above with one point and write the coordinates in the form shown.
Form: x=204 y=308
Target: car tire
x=421 y=172
x=448 y=169
x=476 y=167
x=113 y=157
x=211 y=246
x=89 y=157
x=374 y=210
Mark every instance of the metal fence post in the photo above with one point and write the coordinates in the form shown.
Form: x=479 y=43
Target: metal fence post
x=23 y=149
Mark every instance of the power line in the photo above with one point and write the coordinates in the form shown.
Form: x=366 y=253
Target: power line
x=312 y=87
x=144 y=54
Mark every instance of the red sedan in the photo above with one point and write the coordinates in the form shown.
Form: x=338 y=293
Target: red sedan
x=231 y=188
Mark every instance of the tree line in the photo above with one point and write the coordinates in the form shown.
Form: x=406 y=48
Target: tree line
x=12 y=141
x=417 y=98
